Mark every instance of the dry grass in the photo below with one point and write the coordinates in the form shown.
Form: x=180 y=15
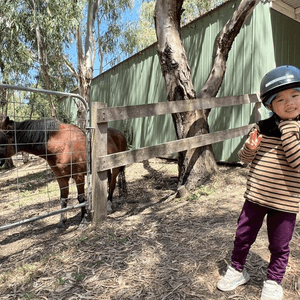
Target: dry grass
x=154 y=247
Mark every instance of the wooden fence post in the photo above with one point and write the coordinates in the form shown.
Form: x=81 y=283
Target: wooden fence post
x=99 y=179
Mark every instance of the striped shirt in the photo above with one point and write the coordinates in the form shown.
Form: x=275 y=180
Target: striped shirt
x=274 y=178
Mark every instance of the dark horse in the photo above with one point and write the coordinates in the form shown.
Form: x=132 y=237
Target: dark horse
x=64 y=148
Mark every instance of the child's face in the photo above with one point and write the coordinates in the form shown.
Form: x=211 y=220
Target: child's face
x=286 y=104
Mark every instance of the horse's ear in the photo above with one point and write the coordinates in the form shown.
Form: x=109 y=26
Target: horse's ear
x=5 y=123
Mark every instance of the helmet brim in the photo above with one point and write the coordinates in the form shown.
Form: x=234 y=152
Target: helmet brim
x=269 y=97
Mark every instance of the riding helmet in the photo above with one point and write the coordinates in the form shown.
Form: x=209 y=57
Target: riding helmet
x=279 y=79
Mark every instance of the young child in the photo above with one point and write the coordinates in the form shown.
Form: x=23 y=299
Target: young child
x=273 y=184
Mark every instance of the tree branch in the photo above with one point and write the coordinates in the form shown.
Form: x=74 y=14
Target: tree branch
x=70 y=66
x=223 y=44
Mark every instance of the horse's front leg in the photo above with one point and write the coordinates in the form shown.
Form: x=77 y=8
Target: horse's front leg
x=112 y=179
x=81 y=199
x=80 y=181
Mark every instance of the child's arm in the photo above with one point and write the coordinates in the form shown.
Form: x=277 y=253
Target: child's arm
x=251 y=146
x=290 y=142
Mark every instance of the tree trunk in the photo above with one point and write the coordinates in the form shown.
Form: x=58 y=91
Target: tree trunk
x=84 y=81
x=43 y=60
x=223 y=44
x=195 y=165
x=85 y=58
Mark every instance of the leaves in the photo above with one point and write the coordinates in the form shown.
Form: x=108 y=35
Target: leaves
x=113 y=32
x=56 y=20
x=145 y=34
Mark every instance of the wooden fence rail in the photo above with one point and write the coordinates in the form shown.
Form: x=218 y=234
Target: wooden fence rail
x=101 y=115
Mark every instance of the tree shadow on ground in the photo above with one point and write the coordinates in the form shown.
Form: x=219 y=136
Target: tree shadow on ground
x=171 y=249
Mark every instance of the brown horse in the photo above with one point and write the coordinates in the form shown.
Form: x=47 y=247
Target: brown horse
x=64 y=148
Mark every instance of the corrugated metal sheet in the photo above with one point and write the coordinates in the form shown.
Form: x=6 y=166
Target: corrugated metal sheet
x=249 y=59
x=136 y=81
x=266 y=40
x=286 y=35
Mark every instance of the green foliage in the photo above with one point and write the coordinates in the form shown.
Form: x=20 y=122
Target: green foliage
x=78 y=276
x=146 y=34
x=61 y=281
x=23 y=106
x=204 y=190
x=113 y=33
x=28 y=296
x=36 y=35
x=143 y=32
x=195 y=8
x=14 y=54
x=63 y=114
x=19 y=56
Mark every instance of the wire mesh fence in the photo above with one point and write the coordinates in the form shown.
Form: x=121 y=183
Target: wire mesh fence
x=43 y=159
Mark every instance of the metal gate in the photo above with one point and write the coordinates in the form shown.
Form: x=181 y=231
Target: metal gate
x=19 y=202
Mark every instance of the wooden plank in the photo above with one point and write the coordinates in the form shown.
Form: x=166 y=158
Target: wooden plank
x=133 y=156
x=129 y=112
x=257 y=112
x=284 y=9
x=99 y=179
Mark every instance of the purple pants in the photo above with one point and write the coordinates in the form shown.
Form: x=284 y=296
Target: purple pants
x=280 y=230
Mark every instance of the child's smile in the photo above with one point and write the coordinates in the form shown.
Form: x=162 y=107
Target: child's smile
x=286 y=104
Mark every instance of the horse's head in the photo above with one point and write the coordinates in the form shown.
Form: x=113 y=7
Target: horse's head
x=6 y=145
x=3 y=148
x=7 y=125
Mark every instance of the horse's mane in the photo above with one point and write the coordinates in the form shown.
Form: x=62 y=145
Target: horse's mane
x=33 y=134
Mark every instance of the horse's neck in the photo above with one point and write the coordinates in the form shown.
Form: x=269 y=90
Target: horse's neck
x=25 y=142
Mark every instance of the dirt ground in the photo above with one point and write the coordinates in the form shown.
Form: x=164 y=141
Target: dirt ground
x=155 y=246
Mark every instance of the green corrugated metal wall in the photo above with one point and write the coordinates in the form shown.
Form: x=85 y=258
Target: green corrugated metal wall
x=136 y=81
x=267 y=39
x=249 y=59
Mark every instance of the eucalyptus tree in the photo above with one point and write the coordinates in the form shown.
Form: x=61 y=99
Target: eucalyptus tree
x=195 y=165
x=49 y=29
x=99 y=35
x=144 y=31
x=113 y=32
x=44 y=31
x=15 y=58
x=38 y=32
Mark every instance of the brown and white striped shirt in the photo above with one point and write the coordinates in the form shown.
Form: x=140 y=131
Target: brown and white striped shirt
x=274 y=178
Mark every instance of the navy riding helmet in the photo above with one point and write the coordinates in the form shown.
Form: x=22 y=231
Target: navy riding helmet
x=279 y=79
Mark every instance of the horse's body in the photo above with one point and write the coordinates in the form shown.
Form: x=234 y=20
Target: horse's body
x=64 y=148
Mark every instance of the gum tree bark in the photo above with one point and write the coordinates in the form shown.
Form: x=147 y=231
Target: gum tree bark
x=195 y=165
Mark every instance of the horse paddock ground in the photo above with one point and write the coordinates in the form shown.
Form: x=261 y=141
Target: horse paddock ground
x=155 y=246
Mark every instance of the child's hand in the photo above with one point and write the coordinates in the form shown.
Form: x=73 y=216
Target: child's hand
x=253 y=140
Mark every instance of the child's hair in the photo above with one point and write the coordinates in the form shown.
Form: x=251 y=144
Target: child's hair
x=279 y=79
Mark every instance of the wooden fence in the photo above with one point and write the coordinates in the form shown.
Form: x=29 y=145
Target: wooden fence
x=101 y=115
